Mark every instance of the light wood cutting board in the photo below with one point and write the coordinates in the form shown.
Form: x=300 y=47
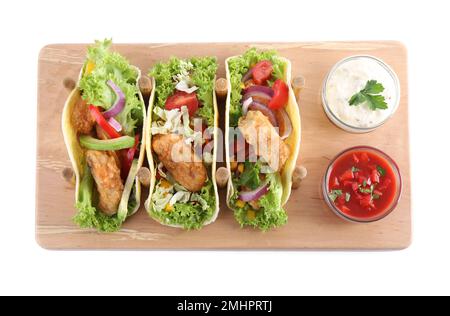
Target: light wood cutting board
x=311 y=225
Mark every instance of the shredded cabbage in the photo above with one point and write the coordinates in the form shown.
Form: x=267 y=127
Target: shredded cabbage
x=196 y=72
x=176 y=122
x=190 y=210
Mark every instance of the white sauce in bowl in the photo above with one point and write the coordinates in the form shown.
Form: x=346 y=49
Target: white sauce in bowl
x=349 y=77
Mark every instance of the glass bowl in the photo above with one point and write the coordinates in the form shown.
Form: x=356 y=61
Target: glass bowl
x=388 y=209
x=346 y=125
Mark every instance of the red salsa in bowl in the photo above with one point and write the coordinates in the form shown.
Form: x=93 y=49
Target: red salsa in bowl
x=362 y=184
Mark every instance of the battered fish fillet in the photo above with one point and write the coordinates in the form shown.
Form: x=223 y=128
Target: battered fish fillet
x=106 y=174
x=101 y=134
x=190 y=171
x=260 y=133
x=82 y=120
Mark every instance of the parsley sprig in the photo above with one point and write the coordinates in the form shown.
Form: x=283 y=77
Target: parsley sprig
x=370 y=95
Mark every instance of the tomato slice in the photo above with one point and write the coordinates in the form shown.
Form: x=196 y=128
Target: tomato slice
x=181 y=98
x=280 y=95
x=262 y=72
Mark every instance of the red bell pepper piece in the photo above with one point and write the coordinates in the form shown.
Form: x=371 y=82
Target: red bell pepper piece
x=128 y=157
x=98 y=116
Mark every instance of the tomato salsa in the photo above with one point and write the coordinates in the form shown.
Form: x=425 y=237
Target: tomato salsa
x=363 y=184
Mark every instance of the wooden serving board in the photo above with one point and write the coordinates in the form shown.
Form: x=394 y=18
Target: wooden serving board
x=311 y=225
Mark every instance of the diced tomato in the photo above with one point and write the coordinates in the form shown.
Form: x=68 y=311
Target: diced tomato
x=377 y=192
x=262 y=72
x=372 y=167
x=344 y=209
x=340 y=200
x=364 y=157
x=357 y=195
x=158 y=176
x=280 y=95
x=386 y=183
x=361 y=179
x=181 y=98
x=347 y=175
x=335 y=182
x=375 y=176
x=354 y=185
x=366 y=201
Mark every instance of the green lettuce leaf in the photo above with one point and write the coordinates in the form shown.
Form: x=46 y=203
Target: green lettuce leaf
x=271 y=214
x=250 y=176
x=190 y=215
x=239 y=66
x=202 y=76
x=88 y=216
x=112 y=66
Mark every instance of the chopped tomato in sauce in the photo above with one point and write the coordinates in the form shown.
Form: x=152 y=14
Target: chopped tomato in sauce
x=362 y=184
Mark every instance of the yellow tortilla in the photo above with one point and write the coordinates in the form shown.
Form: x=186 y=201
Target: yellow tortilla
x=151 y=162
x=293 y=141
x=77 y=153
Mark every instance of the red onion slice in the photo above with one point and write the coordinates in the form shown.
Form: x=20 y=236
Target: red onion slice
x=284 y=123
x=248 y=75
x=253 y=195
x=256 y=106
x=246 y=104
x=262 y=89
x=118 y=105
x=116 y=125
x=257 y=94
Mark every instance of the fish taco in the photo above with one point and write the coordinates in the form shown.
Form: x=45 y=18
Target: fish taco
x=103 y=125
x=182 y=143
x=262 y=137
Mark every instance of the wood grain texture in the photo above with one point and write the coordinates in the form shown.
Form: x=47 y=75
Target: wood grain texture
x=311 y=225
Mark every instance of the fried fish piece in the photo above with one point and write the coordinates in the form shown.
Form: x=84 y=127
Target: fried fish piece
x=179 y=159
x=81 y=118
x=260 y=133
x=101 y=134
x=106 y=174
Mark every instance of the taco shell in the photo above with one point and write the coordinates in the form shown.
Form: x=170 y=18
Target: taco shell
x=77 y=153
x=293 y=141
x=151 y=161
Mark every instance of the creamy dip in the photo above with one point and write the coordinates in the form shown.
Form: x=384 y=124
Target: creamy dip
x=349 y=77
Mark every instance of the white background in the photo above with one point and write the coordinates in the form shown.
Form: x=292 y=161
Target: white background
x=421 y=269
